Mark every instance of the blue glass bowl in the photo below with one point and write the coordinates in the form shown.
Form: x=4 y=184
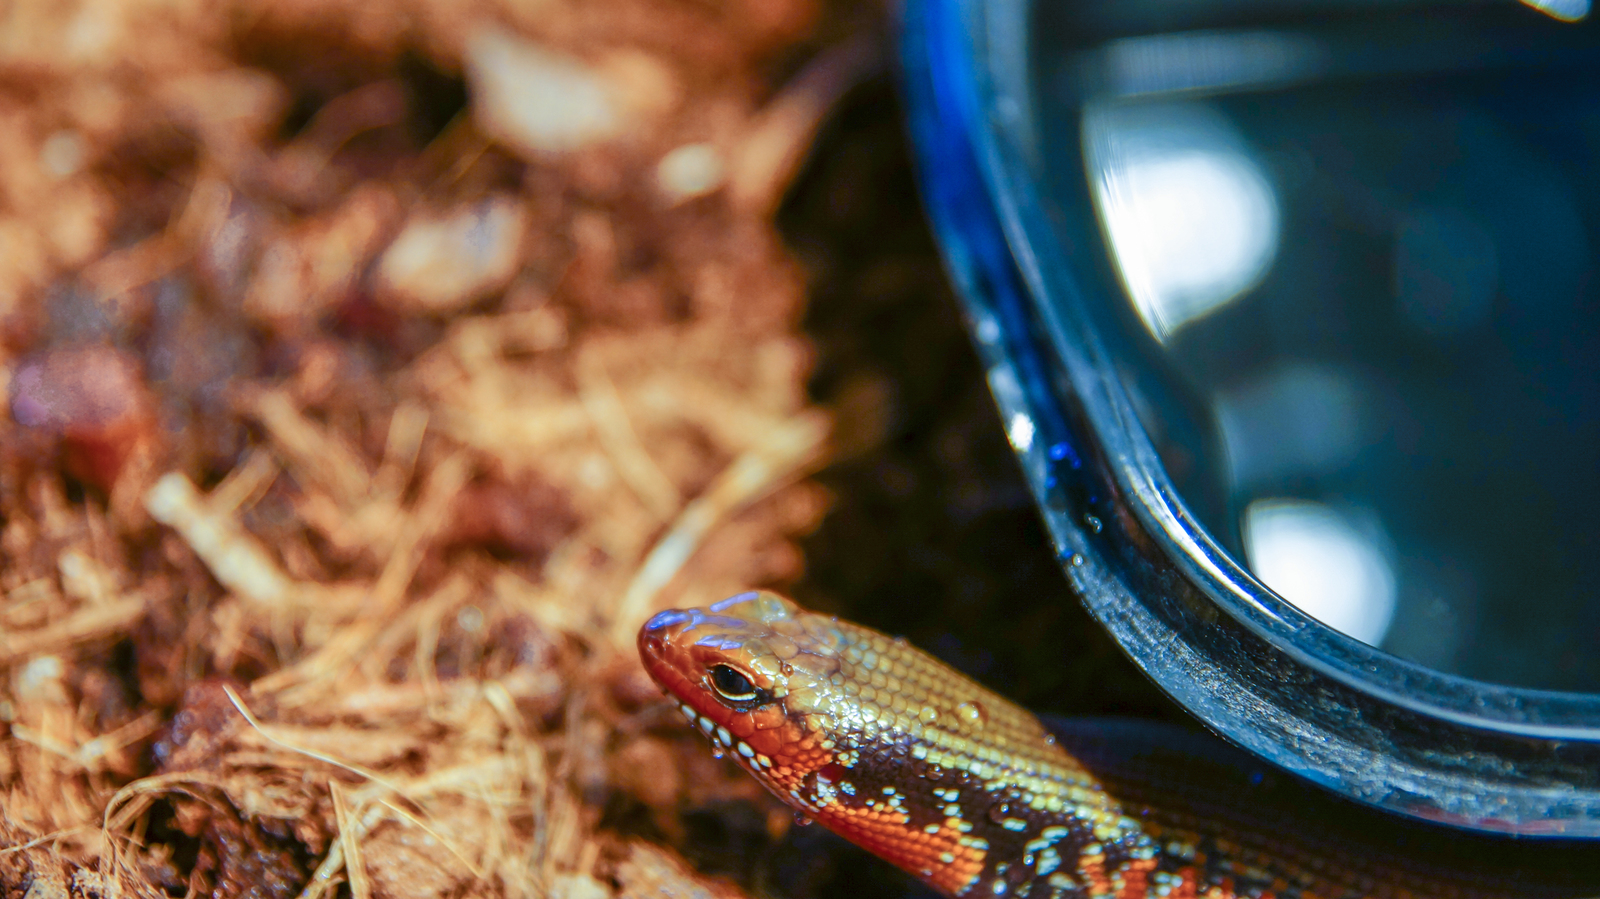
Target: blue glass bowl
x=1303 y=294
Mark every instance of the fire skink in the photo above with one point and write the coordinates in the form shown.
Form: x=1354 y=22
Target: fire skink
x=906 y=757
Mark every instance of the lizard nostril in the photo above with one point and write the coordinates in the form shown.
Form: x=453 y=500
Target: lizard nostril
x=651 y=642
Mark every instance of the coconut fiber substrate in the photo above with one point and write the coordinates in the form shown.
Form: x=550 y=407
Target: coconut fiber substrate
x=373 y=370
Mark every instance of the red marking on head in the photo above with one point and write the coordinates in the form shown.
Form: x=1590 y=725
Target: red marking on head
x=680 y=649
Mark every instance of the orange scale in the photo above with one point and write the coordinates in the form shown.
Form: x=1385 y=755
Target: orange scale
x=1094 y=868
x=1136 y=879
x=919 y=851
x=1188 y=884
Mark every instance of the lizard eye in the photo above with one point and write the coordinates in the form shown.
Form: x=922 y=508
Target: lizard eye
x=731 y=685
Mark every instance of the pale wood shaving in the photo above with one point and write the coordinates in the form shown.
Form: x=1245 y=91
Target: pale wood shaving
x=787 y=453
x=311 y=453
x=605 y=407
x=236 y=558
x=350 y=842
x=781 y=135
x=92 y=623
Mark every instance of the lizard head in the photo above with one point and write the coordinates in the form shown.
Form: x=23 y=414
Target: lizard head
x=756 y=674
x=857 y=730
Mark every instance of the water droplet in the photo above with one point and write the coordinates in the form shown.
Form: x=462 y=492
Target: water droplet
x=999 y=812
x=1077 y=560
x=1063 y=451
x=718 y=752
x=1094 y=524
x=972 y=712
x=785 y=669
x=802 y=819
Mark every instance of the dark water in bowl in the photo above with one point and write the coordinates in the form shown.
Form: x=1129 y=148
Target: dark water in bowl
x=1356 y=245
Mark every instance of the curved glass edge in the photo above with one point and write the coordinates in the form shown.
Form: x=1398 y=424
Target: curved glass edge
x=1353 y=719
x=1543 y=713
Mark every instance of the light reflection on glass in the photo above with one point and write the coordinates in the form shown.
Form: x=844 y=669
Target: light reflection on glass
x=1325 y=563
x=1020 y=430
x=1565 y=10
x=1191 y=218
x=1208 y=60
